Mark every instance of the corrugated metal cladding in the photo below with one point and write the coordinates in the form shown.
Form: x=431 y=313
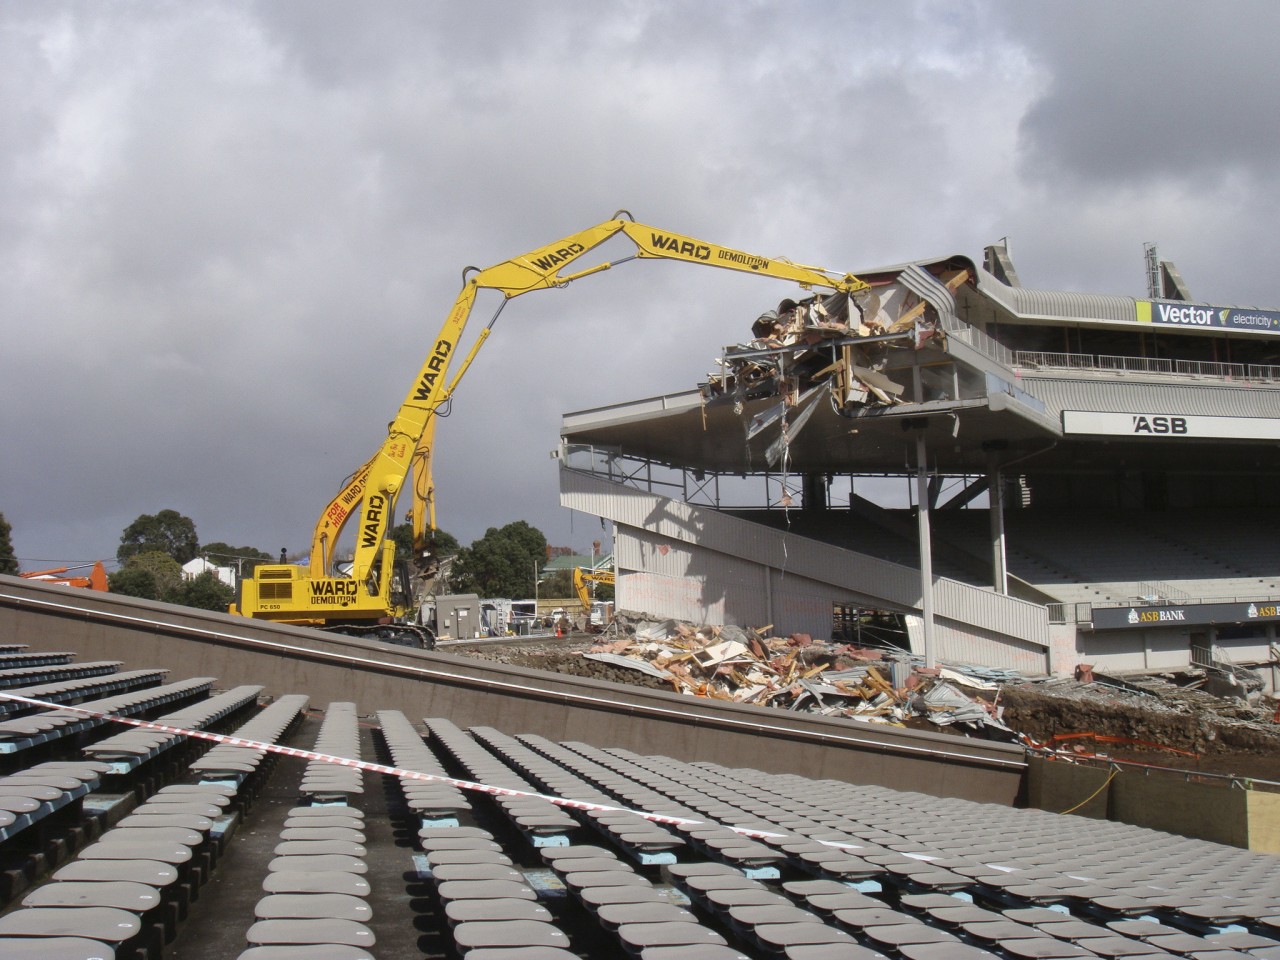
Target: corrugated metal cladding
x=1057 y=304
x=1186 y=397
x=965 y=644
x=1007 y=616
x=843 y=580
x=681 y=523
x=729 y=559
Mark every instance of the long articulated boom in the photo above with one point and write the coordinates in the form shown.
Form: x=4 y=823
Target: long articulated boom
x=319 y=597
x=586 y=575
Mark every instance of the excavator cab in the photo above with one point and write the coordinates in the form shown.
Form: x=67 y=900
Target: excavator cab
x=398 y=586
x=401 y=585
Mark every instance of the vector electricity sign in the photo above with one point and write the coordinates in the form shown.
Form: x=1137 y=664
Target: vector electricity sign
x=1200 y=316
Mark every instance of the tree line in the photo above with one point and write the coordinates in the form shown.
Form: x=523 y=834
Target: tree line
x=506 y=562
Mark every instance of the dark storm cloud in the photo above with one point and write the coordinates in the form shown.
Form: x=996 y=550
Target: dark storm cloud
x=1143 y=90
x=230 y=231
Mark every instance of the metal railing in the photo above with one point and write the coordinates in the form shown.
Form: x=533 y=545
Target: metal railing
x=1159 y=366
x=982 y=342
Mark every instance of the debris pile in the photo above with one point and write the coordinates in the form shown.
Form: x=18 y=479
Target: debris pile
x=1169 y=712
x=802 y=674
x=1168 y=720
x=846 y=344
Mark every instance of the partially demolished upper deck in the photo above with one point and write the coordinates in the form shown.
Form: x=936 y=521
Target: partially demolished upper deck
x=947 y=341
x=943 y=371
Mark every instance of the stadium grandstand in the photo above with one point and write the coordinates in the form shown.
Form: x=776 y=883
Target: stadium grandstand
x=1034 y=479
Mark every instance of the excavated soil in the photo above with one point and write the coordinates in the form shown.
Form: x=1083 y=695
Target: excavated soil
x=1213 y=730
x=561 y=656
x=1223 y=735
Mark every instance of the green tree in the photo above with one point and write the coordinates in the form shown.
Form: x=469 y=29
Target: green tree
x=167 y=532
x=558 y=584
x=8 y=560
x=203 y=591
x=165 y=573
x=133 y=581
x=502 y=563
x=241 y=559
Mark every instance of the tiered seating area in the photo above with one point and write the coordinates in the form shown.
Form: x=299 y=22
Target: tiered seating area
x=136 y=843
x=1104 y=556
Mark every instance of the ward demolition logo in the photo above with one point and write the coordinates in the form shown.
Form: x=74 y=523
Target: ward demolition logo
x=338 y=593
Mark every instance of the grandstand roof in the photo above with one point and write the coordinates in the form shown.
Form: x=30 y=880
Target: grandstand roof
x=993 y=399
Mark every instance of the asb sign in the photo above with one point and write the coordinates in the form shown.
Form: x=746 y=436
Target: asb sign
x=1199 y=316
x=1120 y=618
x=1167 y=426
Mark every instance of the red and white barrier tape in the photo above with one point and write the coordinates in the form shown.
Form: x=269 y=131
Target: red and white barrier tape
x=395 y=771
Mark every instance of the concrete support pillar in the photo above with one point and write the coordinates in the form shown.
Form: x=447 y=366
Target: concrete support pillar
x=999 y=558
x=926 y=550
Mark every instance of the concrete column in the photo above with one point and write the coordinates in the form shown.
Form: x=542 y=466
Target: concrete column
x=999 y=559
x=926 y=550
x=768 y=593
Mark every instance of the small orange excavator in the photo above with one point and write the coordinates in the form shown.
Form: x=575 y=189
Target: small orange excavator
x=96 y=580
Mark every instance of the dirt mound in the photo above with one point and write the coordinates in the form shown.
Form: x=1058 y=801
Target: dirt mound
x=1210 y=729
x=563 y=656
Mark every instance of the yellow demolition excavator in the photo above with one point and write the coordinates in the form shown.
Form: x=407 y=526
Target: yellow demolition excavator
x=372 y=594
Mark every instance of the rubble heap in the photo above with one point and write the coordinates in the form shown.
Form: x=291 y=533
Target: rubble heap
x=802 y=674
x=1170 y=712
x=1159 y=720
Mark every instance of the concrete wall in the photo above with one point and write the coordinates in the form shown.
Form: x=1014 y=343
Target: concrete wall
x=1219 y=811
x=1264 y=821
x=1169 y=648
x=472 y=692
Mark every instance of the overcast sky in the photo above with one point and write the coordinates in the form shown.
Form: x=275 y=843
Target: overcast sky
x=229 y=232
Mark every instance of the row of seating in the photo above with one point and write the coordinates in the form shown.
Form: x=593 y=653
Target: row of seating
x=841 y=871
x=784 y=927
x=646 y=841
x=126 y=892
x=78 y=690
x=627 y=904
x=33 y=658
x=487 y=902
x=317 y=897
x=546 y=824
x=28 y=732
x=133 y=747
x=30 y=796
x=246 y=768
x=331 y=783
x=1114 y=869
x=711 y=838
x=434 y=803
x=808 y=800
x=26 y=676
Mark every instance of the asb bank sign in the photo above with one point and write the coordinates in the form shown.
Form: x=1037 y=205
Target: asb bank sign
x=1200 y=316
x=1122 y=618
x=1168 y=426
